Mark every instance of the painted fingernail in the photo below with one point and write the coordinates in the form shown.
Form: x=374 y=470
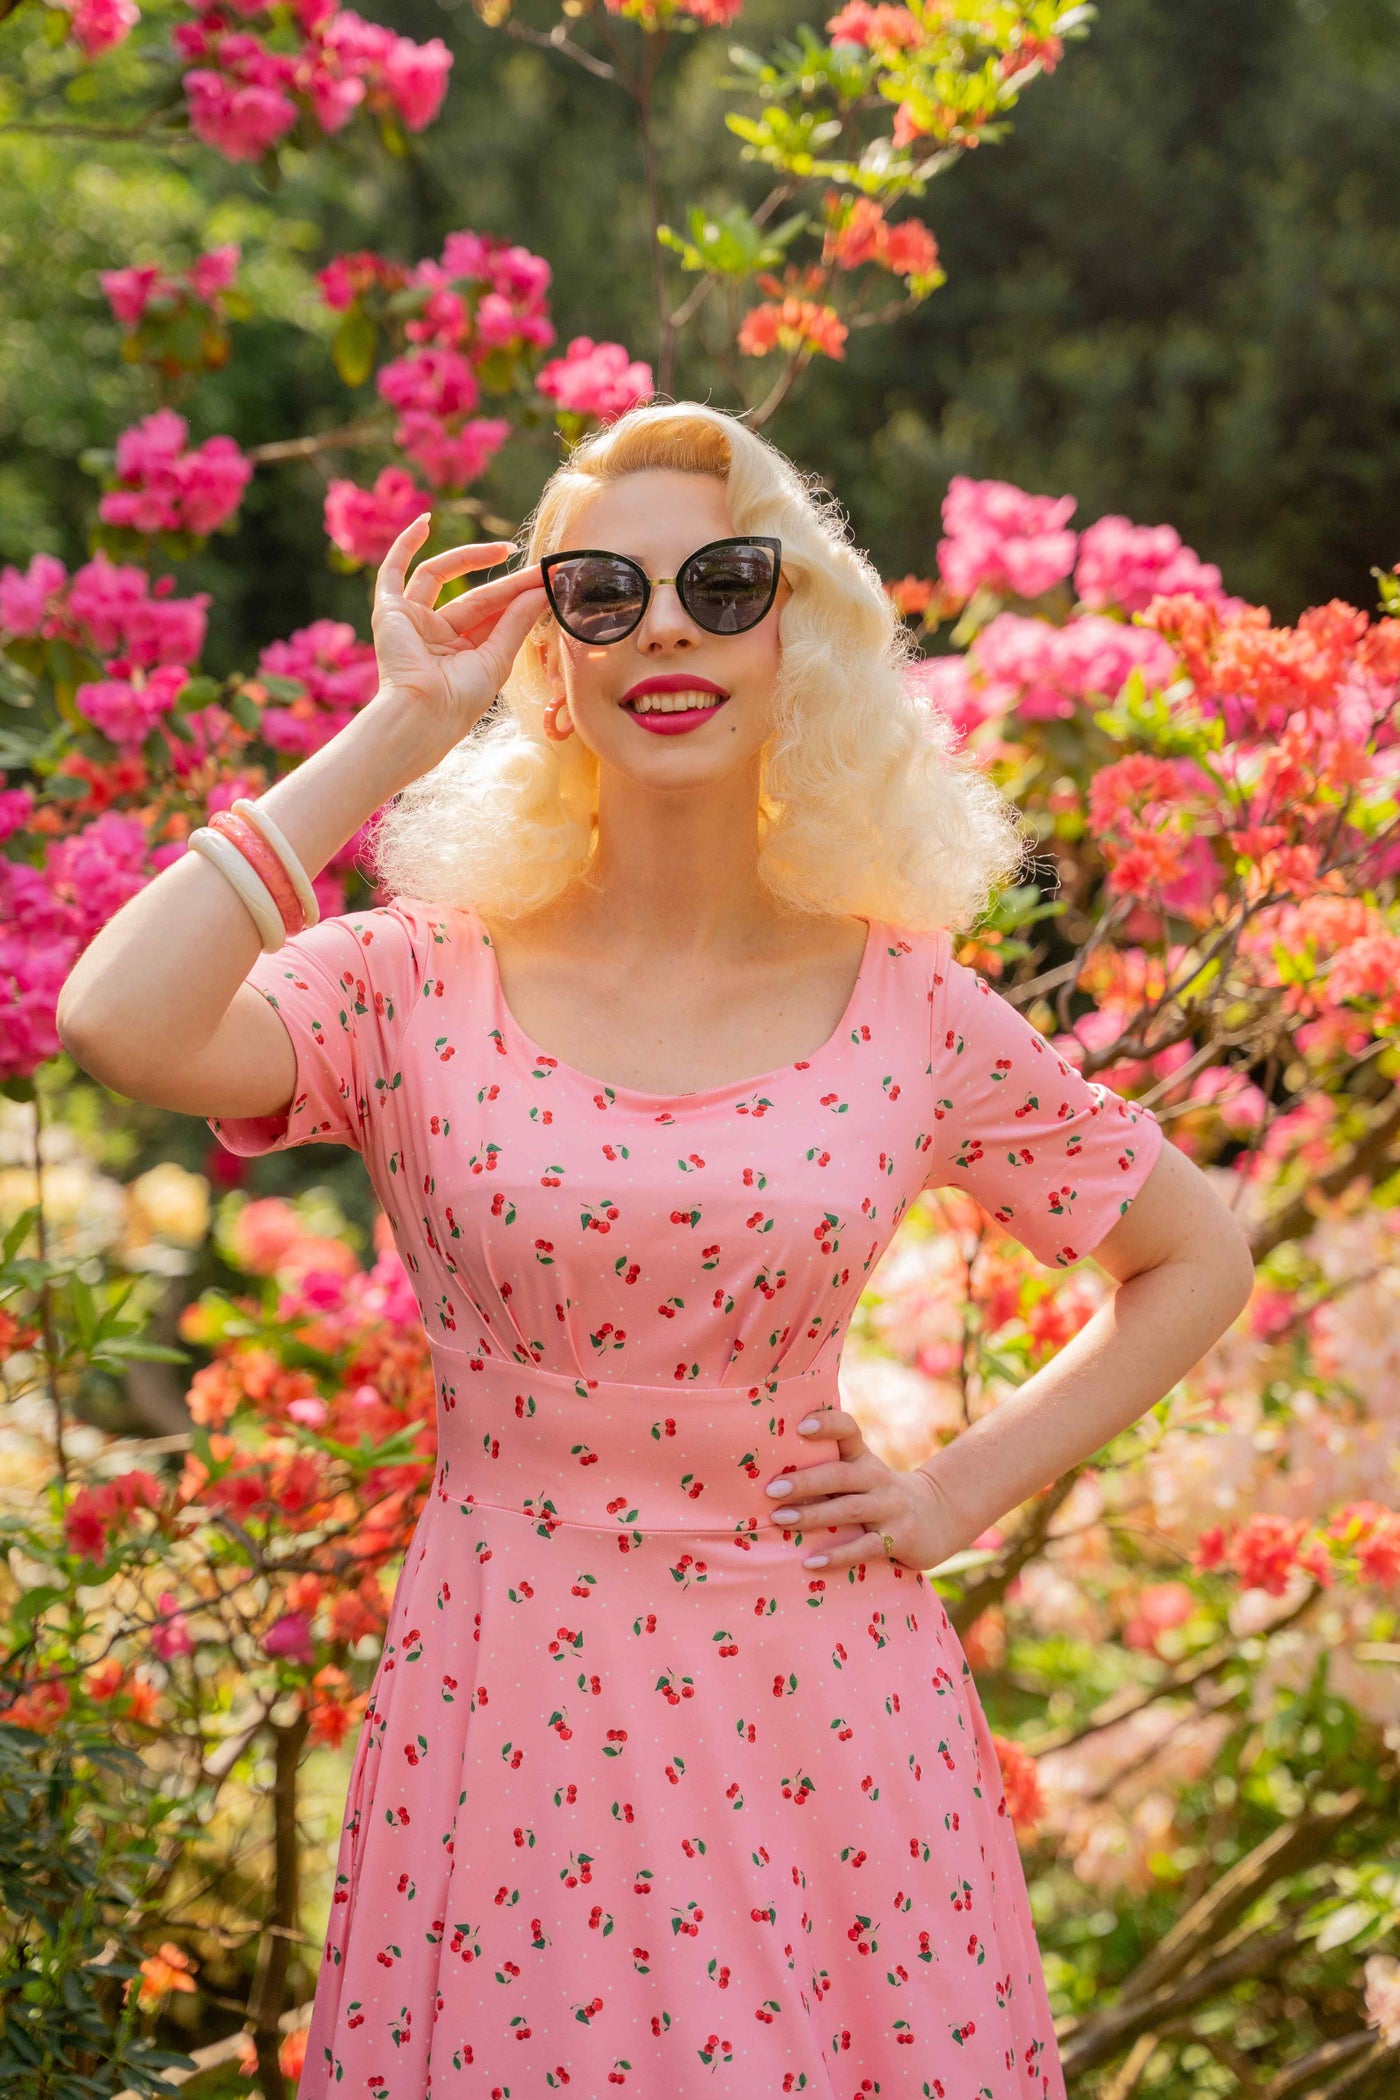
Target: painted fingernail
x=810 y=1424
x=780 y=1487
x=815 y=1560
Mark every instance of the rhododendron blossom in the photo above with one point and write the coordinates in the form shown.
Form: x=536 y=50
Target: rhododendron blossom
x=364 y=523
x=133 y=290
x=164 y=488
x=126 y=709
x=859 y=232
x=596 y=379
x=999 y=538
x=875 y=28
x=1045 y=672
x=338 y=672
x=244 y=96
x=793 y=326
x=100 y=25
x=1127 y=565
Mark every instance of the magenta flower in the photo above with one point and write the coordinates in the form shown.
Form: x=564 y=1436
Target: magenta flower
x=596 y=379
x=127 y=709
x=164 y=488
x=364 y=523
x=289 y=1638
x=25 y=599
x=1002 y=539
x=1128 y=565
x=98 y=25
x=172 y=1636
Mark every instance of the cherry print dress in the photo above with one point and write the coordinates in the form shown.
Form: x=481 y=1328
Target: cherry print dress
x=639 y=1802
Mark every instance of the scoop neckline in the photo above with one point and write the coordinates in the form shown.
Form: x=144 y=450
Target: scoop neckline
x=700 y=1094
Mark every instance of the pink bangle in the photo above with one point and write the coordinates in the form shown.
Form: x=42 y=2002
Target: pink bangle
x=265 y=863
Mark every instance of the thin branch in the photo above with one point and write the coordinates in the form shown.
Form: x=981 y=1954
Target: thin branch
x=558 y=39
x=365 y=432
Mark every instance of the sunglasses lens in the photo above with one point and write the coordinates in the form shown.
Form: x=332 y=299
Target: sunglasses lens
x=597 y=598
x=729 y=588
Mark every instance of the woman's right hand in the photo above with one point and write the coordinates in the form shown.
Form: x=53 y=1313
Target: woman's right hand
x=453 y=660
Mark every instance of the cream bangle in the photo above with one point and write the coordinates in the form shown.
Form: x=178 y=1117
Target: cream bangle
x=296 y=873
x=251 y=888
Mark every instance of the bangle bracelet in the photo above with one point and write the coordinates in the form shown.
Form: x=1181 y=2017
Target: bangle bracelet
x=251 y=888
x=273 y=833
x=246 y=839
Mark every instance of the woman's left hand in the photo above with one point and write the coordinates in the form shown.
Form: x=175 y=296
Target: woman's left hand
x=859 y=1488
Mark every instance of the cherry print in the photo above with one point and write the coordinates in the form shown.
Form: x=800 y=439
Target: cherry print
x=603 y=1663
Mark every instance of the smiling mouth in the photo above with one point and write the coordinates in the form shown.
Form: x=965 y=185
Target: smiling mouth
x=694 y=702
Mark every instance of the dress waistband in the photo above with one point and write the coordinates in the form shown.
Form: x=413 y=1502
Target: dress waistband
x=622 y=1457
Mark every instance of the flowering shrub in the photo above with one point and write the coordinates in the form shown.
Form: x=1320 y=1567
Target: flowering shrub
x=1202 y=1617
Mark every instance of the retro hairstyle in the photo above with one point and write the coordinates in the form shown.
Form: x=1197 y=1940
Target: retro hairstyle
x=865 y=807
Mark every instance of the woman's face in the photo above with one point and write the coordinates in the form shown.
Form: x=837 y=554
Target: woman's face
x=658 y=516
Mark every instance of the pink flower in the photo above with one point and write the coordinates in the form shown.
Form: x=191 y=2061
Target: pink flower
x=338 y=673
x=24 y=599
x=113 y=609
x=1045 y=672
x=945 y=684
x=127 y=709
x=240 y=121
x=289 y=1638
x=364 y=523
x=16 y=808
x=31 y=977
x=172 y=1636
x=94 y=871
x=1000 y=538
x=167 y=489
x=415 y=79
x=1128 y=565
x=441 y=382
x=715 y=14
x=451 y=458
x=130 y=291
x=98 y=25
x=596 y=379
x=214 y=271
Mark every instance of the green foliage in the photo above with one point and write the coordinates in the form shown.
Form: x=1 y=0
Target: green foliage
x=83 y=1829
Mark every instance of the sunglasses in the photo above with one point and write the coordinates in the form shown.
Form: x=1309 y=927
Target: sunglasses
x=726 y=586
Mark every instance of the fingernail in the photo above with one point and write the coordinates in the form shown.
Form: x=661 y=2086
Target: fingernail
x=815 y=1560
x=780 y=1487
x=811 y=1423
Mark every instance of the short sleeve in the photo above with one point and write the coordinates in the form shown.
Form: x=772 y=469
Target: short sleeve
x=1053 y=1157
x=345 y=989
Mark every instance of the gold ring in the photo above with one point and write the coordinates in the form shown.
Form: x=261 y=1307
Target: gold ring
x=887 y=1541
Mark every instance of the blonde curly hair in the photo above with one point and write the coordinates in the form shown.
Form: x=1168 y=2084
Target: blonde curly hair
x=865 y=809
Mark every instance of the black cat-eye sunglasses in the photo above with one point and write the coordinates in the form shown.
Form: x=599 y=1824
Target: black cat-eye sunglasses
x=726 y=586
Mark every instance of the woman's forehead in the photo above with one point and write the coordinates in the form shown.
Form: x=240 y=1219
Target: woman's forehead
x=656 y=513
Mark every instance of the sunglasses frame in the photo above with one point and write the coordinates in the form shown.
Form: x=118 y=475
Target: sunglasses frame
x=551 y=562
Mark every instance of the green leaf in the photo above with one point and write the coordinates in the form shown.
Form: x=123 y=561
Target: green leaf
x=199 y=691
x=353 y=346
x=245 y=711
x=284 y=690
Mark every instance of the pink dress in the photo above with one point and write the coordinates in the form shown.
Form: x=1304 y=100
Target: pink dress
x=639 y=1801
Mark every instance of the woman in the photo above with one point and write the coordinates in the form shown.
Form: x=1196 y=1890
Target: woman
x=667 y=1782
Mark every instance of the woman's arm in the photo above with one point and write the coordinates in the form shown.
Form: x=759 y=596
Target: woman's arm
x=156 y=1007
x=1185 y=1273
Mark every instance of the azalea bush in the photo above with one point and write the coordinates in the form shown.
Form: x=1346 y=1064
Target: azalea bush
x=1187 y=1645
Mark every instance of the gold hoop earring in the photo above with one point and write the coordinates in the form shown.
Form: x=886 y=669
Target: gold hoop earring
x=555 y=714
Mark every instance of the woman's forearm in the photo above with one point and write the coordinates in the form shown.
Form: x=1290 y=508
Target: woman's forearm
x=152 y=987
x=1128 y=1355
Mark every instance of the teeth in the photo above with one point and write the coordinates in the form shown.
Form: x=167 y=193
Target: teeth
x=671 y=703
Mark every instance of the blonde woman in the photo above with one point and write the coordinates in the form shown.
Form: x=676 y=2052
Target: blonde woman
x=674 y=1776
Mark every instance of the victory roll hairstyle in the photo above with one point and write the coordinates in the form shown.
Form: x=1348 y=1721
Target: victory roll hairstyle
x=866 y=807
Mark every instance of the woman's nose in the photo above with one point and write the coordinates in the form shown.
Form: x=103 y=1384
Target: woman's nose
x=666 y=621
